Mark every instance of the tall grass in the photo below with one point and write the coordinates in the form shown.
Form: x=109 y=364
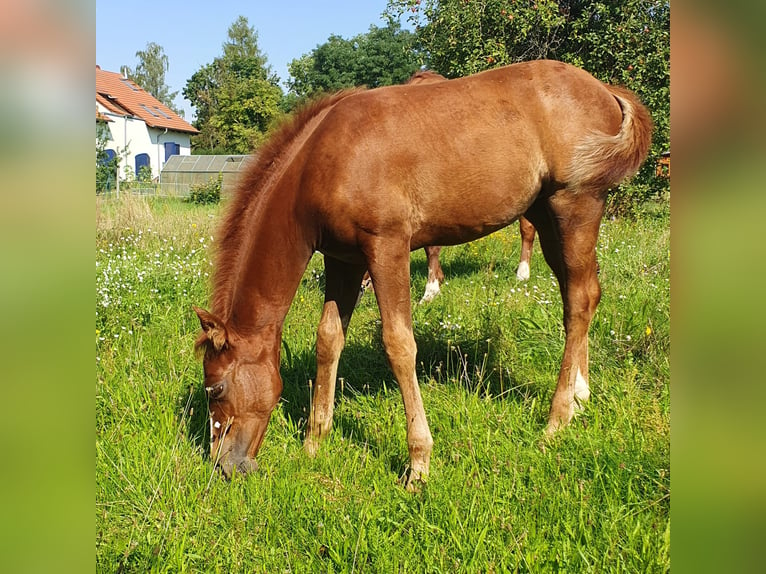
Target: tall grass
x=595 y=499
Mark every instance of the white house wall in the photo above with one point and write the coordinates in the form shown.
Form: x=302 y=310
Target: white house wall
x=133 y=134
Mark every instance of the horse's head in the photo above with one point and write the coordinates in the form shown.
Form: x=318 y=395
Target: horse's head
x=243 y=386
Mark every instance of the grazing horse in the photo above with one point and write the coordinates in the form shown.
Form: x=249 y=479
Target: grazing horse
x=435 y=271
x=365 y=177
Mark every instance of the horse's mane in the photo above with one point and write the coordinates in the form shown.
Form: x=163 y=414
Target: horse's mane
x=234 y=231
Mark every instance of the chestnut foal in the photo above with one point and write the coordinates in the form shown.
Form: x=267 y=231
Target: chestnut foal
x=365 y=177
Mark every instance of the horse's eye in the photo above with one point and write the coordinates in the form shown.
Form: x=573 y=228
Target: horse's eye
x=214 y=391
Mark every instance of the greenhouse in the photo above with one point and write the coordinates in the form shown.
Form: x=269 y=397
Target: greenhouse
x=183 y=171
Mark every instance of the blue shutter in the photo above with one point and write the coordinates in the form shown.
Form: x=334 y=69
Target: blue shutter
x=171 y=148
x=108 y=156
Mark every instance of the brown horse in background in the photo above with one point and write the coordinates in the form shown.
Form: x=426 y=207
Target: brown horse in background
x=365 y=177
x=435 y=271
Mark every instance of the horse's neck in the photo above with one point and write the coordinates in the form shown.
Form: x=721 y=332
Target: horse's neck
x=270 y=272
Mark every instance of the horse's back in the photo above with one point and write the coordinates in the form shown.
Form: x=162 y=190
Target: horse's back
x=450 y=161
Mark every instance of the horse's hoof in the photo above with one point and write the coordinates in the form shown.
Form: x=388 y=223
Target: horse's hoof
x=311 y=447
x=432 y=290
x=522 y=273
x=413 y=481
x=551 y=429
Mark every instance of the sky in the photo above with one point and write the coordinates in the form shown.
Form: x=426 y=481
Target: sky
x=192 y=33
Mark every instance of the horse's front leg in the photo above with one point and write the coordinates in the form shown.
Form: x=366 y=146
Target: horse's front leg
x=390 y=270
x=341 y=292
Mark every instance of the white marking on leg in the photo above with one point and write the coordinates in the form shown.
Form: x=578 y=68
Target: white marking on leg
x=581 y=391
x=217 y=425
x=522 y=273
x=432 y=290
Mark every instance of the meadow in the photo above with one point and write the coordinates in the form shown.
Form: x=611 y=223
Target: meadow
x=499 y=498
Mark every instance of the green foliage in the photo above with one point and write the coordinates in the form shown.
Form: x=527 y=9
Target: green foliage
x=144 y=174
x=206 y=193
x=459 y=38
x=638 y=197
x=623 y=42
x=141 y=182
x=236 y=97
x=149 y=73
x=129 y=177
x=106 y=169
x=596 y=498
x=381 y=57
x=628 y=43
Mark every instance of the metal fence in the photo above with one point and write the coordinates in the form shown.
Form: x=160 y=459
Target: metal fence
x=181 y=173
x=147 y=189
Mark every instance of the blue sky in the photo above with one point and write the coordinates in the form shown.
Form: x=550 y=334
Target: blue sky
x=192 y=32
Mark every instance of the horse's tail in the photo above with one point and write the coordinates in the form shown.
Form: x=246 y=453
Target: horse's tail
x=601 y=161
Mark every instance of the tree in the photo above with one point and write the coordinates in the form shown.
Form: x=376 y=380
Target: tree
x=243 y=52
x=459 y=37
x=236 y=97
x=628 y=43
x=380 y=57
x=623 y=42
x=149 y=73
x=106 y=165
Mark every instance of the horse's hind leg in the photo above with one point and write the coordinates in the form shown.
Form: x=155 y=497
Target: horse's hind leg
x=568 y=226
x=527 y=231
x=390 y=270
x=341 y=294
x=435 y=273
x=366 y=283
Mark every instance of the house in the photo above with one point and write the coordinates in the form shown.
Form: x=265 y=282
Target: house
x=142 y=130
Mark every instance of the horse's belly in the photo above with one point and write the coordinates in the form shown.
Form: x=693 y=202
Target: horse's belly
x=470 y=214
x=456 y=234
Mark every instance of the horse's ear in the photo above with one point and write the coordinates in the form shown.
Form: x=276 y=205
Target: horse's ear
x=214 y=329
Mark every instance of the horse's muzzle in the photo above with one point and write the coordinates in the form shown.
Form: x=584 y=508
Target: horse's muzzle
x=242 y=466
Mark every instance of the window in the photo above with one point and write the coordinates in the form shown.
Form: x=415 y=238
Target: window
x=142 y=161
x=152 y=112
x=171 y=148
x=160 y=112
x=109 y=155
x=130 y=84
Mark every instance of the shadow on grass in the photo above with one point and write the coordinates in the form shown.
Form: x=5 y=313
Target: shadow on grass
x=197 y=429
x=475 y=366
x=452 y=267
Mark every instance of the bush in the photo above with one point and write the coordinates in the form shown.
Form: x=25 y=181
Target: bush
x=106 y=167
x=206 y=193
x=634 y=197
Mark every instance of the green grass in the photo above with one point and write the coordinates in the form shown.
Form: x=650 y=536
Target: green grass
x=597 y=498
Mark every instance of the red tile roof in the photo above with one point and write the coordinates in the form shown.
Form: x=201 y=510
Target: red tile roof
x=124 y=97
x=111 y=105
x=101 y=117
